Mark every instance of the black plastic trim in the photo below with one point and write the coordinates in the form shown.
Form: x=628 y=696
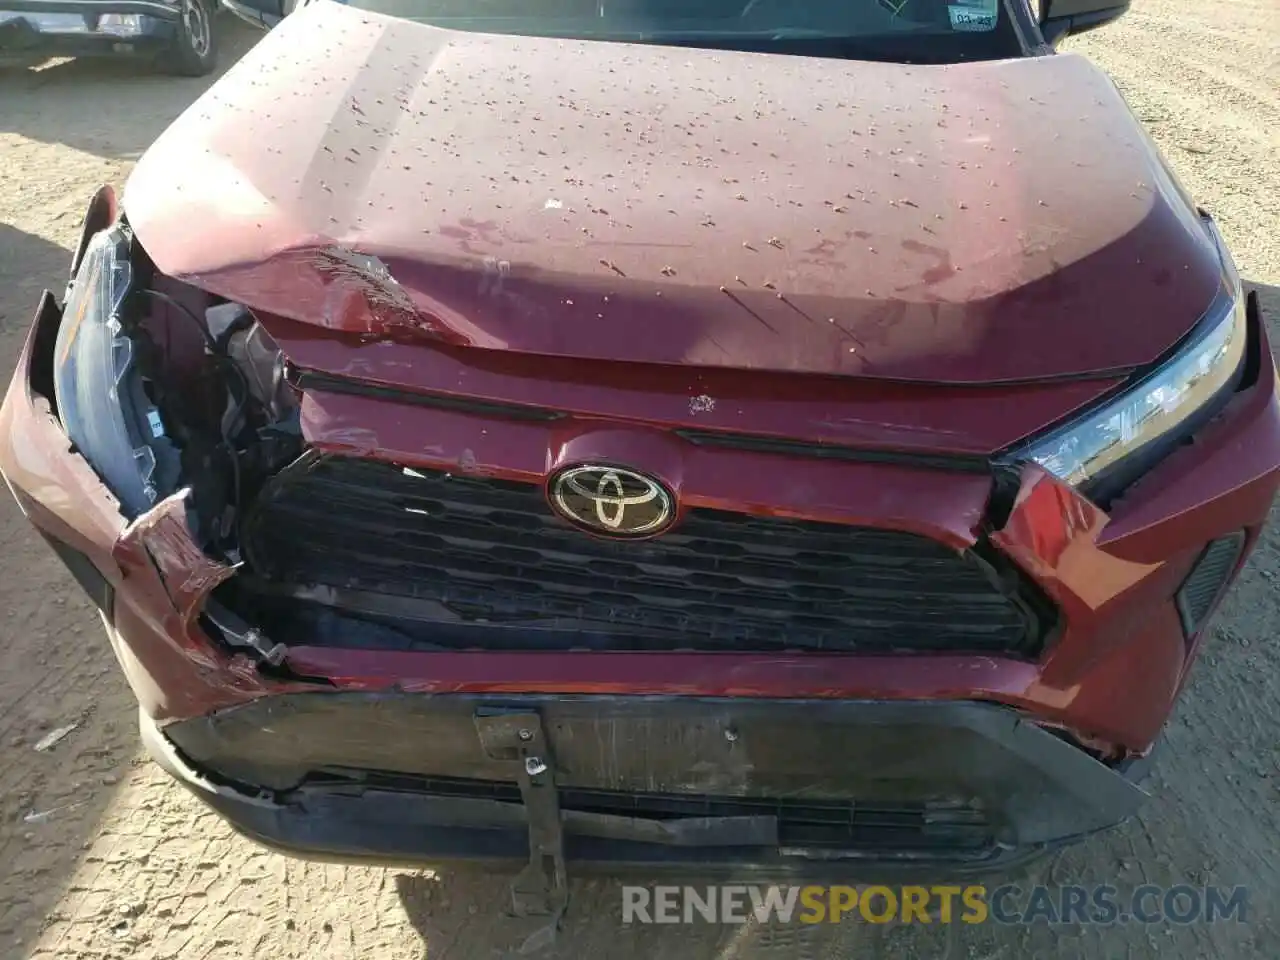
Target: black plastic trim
x=44 y=337
x=1209 y=562
x=1055 y=29
x=96 y=218
x=922 y=595
x=326 y=383
x=1040 y=790
x=755 y=443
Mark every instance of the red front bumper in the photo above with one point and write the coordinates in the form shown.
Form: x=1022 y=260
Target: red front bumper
x=1110 y=676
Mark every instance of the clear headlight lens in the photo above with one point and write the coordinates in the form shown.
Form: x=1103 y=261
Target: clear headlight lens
x=1203 y=370
x=91 y=363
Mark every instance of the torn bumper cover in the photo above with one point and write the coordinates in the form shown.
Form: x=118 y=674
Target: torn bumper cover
x=770 y=785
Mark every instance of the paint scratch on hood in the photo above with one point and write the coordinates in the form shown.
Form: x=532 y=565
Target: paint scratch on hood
x=364 y=276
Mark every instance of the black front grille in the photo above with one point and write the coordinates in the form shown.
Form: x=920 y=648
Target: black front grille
x=490 y=556
x=956 y=826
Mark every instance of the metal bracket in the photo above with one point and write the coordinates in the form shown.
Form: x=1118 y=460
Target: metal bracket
x=542 y=887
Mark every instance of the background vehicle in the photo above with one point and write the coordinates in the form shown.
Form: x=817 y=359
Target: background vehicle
x=181 y=35
x=261 y=13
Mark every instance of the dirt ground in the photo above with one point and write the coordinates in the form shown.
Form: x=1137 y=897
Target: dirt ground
x=100 y=856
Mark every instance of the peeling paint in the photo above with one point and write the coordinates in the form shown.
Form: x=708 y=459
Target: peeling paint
x=1053 y=532
x=493 y=275
x=364 y=274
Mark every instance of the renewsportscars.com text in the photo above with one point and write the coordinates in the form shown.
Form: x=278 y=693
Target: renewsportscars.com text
x=973 y=904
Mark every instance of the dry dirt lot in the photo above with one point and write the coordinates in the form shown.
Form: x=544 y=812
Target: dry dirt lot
x=101 y=857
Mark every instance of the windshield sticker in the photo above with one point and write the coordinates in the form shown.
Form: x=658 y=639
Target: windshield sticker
x=973 y=15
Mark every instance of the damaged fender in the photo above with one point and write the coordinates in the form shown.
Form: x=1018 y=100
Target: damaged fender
x=1054 y=532
x=162 y=537
x=155 y=575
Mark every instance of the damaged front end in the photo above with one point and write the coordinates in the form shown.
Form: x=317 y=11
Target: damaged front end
x=197 y=416
x=356 y=627
x=177 y=406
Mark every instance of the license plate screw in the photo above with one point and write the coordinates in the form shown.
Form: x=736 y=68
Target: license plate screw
x=731 y=735
x=525 y=735
x=534 y=766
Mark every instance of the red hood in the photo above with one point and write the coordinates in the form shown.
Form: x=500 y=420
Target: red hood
x=977 y=222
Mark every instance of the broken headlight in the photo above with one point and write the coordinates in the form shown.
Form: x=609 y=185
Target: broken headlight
x=1102 y=451
x=98 y=391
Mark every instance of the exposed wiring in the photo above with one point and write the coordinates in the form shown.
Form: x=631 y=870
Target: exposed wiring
x=225 y=362
x=209 y=341
x=186 y=312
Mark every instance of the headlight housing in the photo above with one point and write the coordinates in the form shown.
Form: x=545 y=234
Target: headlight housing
x=1105 y=449
x=97 y=387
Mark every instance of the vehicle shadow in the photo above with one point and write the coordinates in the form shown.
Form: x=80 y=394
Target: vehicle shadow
x=108 y=107
x=56 y=671
x=28 y=265
x=464 y=913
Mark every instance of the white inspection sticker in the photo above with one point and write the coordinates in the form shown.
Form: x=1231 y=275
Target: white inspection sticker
x=973 y=15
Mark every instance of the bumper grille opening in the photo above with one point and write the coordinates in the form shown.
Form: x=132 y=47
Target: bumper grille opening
x=956 y=826
x=1196 y=596
x=430 y=560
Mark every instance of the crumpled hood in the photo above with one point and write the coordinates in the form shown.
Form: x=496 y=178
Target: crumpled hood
x=976 y=222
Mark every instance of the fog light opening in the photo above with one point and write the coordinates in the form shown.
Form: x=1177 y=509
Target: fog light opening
x=1198 y=595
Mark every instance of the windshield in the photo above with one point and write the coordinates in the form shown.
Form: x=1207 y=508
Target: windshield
x=900 y=30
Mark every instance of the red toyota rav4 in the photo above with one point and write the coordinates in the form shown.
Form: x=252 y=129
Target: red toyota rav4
x=758 y=437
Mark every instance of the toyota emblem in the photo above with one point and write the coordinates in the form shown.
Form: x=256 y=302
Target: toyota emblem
x=612 y=501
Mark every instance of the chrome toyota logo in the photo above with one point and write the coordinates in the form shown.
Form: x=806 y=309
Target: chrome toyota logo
x=612 y=500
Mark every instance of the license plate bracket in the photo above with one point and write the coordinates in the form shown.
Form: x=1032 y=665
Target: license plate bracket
x=542 y=887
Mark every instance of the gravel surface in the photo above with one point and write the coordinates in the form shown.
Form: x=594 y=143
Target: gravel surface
x=100 y=856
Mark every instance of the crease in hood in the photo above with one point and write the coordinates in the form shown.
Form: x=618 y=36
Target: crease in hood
x=978 y=222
